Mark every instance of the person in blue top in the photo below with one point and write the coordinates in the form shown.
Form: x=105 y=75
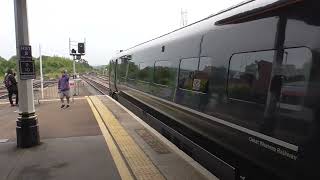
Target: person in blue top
x=64 y=88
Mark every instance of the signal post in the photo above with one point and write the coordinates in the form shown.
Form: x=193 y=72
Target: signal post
x=76 y=55
x=27 y=124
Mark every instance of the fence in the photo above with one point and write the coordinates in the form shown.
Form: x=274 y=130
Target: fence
x=50 y=90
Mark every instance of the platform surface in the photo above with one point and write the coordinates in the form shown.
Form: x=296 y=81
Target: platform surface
x=72 y=146
x=75 y=145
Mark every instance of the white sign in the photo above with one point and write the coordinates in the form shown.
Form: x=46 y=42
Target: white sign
x=196 y=84
x=71 y=83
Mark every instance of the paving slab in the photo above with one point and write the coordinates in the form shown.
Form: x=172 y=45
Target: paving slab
x=71 y=145
x=54 y=122
x=85 y=157
x=8 y=117
x=77 y=120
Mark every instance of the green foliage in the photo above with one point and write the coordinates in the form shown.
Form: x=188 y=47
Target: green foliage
x=2 y=59
x=146 y=74
x=165 y=76
x=239 y=91
x=103 y=69
x=133 y=70
x=122 y=70
x=13 y=59
x=5 y=65
x=52 y=66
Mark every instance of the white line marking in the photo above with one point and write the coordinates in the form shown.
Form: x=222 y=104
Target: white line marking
x=4 y=140
x=3 y=103
x=49 y=100
x=240 y=128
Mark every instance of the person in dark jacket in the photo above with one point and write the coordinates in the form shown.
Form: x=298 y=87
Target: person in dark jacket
x=12 y=86
x=64 y=88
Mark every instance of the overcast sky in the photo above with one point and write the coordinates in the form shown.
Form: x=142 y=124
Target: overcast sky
x=108 y=26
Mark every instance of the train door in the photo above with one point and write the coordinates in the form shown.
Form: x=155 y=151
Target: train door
x=122 y=68
x=112 y=76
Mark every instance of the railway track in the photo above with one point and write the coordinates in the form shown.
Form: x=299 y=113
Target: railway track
x=103 y=78
x=96 y=83
x=36 y=86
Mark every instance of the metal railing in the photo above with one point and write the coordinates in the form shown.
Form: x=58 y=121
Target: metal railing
x=50 y=90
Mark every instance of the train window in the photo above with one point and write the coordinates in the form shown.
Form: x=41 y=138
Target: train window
x=202 y=75
x=295 y=70
x=187 y=70
x=145 y=72
x=133 y=70
x=205 y=64
x=249 y=76
x=194 y=74
x=112 y=69
x=122 y=69
x=164 y=74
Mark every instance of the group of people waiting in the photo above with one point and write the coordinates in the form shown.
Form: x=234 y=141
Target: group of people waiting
x=11 y=84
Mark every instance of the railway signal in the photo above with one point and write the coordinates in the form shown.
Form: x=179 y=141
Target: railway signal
x=76 y=55
x=73 y=51
x=81 y=48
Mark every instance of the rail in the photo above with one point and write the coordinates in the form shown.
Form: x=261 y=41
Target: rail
x=96 y=83
x=104 y=78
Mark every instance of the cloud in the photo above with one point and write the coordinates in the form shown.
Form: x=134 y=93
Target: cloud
x=108 y=26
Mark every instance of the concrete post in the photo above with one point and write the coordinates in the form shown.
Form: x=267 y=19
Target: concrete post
x=27 y=124
x=41 y=73
x=74 y=67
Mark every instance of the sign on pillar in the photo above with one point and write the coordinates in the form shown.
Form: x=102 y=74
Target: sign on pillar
x=27 y=124
x=26 y=63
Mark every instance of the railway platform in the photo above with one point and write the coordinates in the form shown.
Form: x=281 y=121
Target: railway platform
x=95 y=138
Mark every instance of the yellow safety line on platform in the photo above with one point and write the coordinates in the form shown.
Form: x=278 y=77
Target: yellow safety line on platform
x=141 y=166
x=119 y=161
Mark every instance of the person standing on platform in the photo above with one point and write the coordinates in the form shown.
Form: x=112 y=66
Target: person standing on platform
x=64 y=88
x=12 y=86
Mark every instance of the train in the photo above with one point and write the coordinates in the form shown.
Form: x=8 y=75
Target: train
x=244 y=84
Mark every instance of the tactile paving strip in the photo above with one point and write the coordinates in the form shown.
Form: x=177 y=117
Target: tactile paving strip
x=139 y=163
x=153 y=142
